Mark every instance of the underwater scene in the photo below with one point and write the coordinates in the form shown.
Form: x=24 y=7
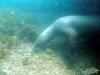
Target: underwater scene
x=49 y=37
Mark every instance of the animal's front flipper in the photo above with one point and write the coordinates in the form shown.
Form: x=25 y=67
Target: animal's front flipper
x=72 y=36
x=72 y=46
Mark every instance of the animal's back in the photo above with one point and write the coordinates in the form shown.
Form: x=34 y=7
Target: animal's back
x=81 y=22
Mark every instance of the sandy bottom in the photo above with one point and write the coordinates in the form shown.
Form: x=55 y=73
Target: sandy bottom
x=21 y=61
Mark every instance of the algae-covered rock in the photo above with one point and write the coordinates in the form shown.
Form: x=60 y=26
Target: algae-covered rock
x=4 y=51
x=14 y=28
x=28 y=34
x=6 y=42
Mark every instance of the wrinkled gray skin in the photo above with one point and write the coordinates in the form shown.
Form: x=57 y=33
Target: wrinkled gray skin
x=71 y=26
